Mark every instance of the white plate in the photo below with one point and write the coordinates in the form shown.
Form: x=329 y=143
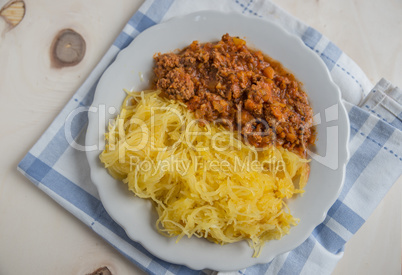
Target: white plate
x=132 y=69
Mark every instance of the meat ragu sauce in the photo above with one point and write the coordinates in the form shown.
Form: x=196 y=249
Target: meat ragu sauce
x=242 y=89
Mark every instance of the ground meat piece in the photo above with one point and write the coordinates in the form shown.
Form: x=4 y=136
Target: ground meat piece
x=253 y=106
x=177 y=84
x=235 y=91
x=165 y=62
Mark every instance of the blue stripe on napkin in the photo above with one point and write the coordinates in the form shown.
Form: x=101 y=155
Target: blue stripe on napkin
x=311 y=37
x=330 y=55
x=299 y=254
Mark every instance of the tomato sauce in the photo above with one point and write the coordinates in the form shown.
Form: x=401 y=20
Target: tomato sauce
x=240 y=88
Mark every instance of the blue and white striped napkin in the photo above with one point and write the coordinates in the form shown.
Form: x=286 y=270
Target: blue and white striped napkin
x=375 y=164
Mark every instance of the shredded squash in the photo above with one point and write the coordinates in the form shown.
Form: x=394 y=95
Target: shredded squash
x=202 y=179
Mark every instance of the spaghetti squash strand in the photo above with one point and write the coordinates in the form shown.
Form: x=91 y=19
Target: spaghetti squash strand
x=215 y=188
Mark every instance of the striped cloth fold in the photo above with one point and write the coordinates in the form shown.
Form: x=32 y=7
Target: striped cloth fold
x=375 y=115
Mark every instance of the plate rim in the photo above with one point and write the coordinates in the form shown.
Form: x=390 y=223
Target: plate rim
x=297 y=39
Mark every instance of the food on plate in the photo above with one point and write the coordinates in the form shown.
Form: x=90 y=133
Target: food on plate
x=203 y=180
x=218 y=144
x=244 y=89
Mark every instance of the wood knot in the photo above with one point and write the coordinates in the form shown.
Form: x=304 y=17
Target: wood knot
x=13 y=12
x=68 y=49
x=101 y=271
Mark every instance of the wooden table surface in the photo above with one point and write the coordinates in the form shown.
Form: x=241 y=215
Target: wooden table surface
x=37 y=236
